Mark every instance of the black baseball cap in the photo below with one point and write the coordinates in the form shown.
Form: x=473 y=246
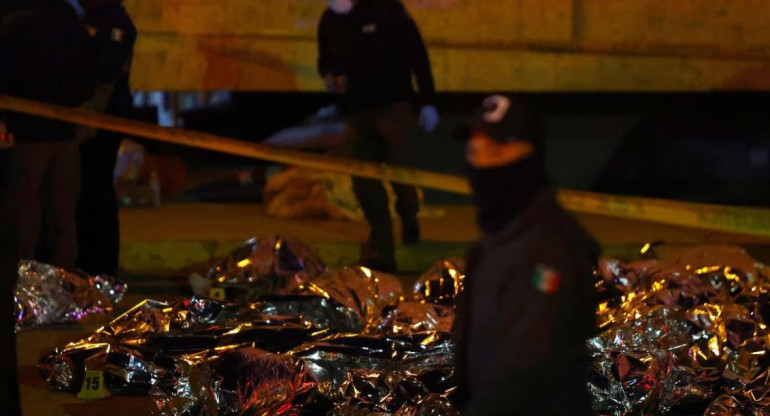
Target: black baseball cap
x=504 y=119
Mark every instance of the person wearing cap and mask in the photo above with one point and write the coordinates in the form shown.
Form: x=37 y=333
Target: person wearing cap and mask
x=113 y=36
x=530 y=301
x=369 y=52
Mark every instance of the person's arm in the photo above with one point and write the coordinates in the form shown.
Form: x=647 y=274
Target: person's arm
x=542 y=339
x=325 y=60
x=525 y=339
x=114 y=42
x=327 y=67
x=419 y=65
x=420 y=62
x=416 y=54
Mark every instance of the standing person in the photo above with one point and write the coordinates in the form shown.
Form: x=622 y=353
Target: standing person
x=113 y=37
x=369 y=50
x=9 y=383
x=530 y=300
x=43 y=57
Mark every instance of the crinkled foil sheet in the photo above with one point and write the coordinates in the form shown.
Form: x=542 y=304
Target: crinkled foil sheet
x=265 y=266
x=442 y=282
x=136 y=349
x=345 y=342
x=47 y=295
x=683 y=338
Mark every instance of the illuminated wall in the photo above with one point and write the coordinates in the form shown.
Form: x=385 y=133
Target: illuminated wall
x=479 y=45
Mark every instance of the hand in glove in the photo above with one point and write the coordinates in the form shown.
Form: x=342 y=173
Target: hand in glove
x=429 y=118
x=327 y=112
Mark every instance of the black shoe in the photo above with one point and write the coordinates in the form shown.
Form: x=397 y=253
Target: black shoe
x=372 y=260
x=410 y=232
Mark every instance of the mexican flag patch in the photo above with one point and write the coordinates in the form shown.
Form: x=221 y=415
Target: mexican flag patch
x=117 y=35
x=546 y=279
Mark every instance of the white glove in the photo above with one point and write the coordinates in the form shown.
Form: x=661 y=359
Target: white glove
x=429 y=118
x=327 y=112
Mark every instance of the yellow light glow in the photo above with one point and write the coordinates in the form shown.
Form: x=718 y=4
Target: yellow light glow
x=430 y=339
x=714 y=345
x=705 y=270
x=243 y=263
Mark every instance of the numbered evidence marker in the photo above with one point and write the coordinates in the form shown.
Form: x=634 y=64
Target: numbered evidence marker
x=93 y=386
x=217 y=293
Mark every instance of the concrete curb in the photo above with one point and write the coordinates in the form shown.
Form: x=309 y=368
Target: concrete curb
x=179 y=258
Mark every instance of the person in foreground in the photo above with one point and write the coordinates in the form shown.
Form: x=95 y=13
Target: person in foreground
x=530 y=300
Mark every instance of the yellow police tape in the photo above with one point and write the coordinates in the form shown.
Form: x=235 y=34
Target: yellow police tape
x=749 y=221
x=379 y=171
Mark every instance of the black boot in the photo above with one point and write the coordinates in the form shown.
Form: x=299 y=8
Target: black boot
x=375 y=260
x=410 y=231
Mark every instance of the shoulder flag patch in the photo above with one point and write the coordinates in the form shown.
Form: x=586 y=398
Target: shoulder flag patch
x=117 y=35
x=546 y=279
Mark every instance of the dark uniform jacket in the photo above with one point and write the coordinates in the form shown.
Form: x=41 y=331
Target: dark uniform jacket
x=44 y=57
x=528 y=309
x=378 y=48
x=113 y=46
x=9 y=384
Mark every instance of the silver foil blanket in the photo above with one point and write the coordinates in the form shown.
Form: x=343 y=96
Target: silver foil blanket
x=373 y=392
x=136 y=349
x=245 y=381
x=358 y=293
x=47 y=295
x=265 y=266
x=442 y=282
x=294 y=351
x=682 y=337
x=313 y=379
x=330 y=360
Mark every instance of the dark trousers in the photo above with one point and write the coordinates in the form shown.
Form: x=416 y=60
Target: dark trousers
x=97 y=213
x=378 y=135
x=9 y=384
x=44 y=191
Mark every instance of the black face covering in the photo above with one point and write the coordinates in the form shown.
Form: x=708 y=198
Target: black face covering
x=503 y=193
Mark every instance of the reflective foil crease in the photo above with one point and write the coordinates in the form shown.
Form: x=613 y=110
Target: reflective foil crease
x=358 y=293
x=373 y=392
x=347 y=341
x=416 y=317
x=686 y=337
x=265 y=266
x=47 y=295
x=237 y=382
x=442 y=282
x=331 y=359
x=136 y=349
